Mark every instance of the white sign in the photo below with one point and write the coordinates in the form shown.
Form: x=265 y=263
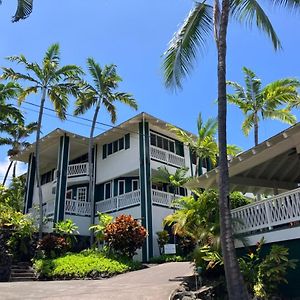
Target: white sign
x=170 y=249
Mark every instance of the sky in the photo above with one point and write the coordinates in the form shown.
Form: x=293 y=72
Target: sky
x=134 y=34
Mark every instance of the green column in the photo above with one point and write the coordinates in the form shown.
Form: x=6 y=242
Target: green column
x=29 y=183
x=145 y=185
x=61 y=186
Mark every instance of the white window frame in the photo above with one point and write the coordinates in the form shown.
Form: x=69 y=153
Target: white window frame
x=78 y=192
x=110 y=192
x=163 y=137
x=119 y=181
x=69 y=191
x=135 y=180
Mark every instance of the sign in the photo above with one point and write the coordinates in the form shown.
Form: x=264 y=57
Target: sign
x=170 y=249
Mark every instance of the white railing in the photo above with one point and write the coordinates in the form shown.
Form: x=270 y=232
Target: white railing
x=265 y=214
x=163 y=198
x=81 y=208
x=166 y=157
x=78 y=169
x=119 y=202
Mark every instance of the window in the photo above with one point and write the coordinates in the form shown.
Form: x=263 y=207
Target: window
x=47 y=177
x=69 y=194
x=135 y=184
x=117 y=145
x=81 y=194
x=107 y=190
x=78 y=160
x=121 y=187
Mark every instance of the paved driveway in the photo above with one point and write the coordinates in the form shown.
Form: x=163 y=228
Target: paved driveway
x=154 y=283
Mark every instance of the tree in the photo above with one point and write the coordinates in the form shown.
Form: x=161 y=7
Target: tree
x=17 y=132
x=259 y=103
x=23 y=11
x=205 y=145
x=102 y=93
x=52 y=81
x=203 y=20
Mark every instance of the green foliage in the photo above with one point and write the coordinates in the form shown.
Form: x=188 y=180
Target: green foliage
x=13 y=196
x=53 y=246
x=125 y=235
x=162 y=238
x=87 y=264
x=237 y=199
x=166 y=258
x=272 y=271
x=99 y=229
x=207 y=258
x=67 y=229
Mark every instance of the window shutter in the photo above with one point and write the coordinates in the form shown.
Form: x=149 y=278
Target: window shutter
x=104 y=151
x=179 y=148
x=127 y=141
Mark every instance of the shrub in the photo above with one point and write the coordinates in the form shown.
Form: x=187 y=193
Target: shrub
x=162 y=239
x=166 y=258
x=67 y=229
x=53 y=246
x=125 y=235
x=237 y=199
x=87 y=264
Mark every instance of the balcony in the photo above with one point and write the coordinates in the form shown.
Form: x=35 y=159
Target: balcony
x=278 y=212
x=77 y=173
x=163 y=198
x=166 y=157
x=79 y=208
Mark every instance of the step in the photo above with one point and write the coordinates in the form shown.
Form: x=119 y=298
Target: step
x=13 y=274
x=22 y=279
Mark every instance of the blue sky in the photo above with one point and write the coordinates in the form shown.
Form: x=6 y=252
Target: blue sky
x=133 y=34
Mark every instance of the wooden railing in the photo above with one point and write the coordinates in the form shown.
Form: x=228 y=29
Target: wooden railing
x=78 y=169
x=81 y=208
x=166 y=157
x=163 y=198
x=119 y=202
x=281 y=209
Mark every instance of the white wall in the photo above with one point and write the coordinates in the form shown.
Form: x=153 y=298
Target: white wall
x=46 y=190
x=158 y=214
x=118 y=163
x=83 y=223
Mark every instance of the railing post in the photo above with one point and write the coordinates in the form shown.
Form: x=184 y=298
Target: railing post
x=268 y=214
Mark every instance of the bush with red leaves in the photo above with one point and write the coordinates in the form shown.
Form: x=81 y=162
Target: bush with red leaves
x=53 y=246
x=125 y=235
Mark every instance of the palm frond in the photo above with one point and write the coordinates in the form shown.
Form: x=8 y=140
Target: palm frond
x=209 y=128
x=283 y=115
x=27 y=91
x=126 y=99
x=24 y=9
x=248 y=11
x=111 y=109
x=233 y=150
x=187 y=41
x=6 y=141
x=52 y=54
x=248 y=124
x=60 y=100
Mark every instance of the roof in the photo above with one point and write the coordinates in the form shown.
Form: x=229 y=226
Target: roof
x=272 y=165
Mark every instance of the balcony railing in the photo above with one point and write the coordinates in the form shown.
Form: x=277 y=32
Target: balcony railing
x=166 y=157
x=163 y=198
x=75 y=170
x=279 y=210
x=81 y=208
x=119 y=202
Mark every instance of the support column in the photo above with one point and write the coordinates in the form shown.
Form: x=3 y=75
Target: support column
x=29 y=187
x=61 y=185
x=145 y=184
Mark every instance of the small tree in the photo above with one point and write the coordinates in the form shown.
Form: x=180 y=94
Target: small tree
x=99 y=229
x=125 y=235
x=162 y=239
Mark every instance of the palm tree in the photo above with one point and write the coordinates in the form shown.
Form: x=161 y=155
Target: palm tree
x=102 y=93
x=257 y=102
x=205 y=145
x=24 y=9
x=203 y=20
x=52 y=81
x=17 y=132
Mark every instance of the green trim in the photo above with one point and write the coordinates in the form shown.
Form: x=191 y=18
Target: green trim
x=143 y=189
x=148 y=189
x=29 y=183
x=61 y=186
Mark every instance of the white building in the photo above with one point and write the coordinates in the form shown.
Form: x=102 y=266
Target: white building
x=125 y=158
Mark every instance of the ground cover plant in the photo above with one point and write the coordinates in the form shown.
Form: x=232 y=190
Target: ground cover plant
x=87 y=264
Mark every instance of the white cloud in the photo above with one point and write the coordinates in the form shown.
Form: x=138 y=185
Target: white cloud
x=21 y=169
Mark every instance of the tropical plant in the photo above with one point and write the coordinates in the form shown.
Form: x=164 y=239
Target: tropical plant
x=258 y=103
x=101 y=93
x=204 y=146
x=17 y=133
x=99 y=229
x=67 y=229
x=162 y=239
x=203 y=20
x=175 y=181
x=53 y=246
x=53 y=81
x=23 y=11
x=125 y=235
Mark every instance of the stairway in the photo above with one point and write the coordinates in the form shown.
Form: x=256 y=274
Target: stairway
x=22 y=271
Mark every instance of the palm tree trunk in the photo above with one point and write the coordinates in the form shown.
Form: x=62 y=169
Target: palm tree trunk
x=37 y=159
x=14 y=169
x=255 y=130
x=7 y=172
x=235 y=285
x=91 y=172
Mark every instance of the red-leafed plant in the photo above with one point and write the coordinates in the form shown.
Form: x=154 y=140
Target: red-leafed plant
x=53 y=246
x=125 y=235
